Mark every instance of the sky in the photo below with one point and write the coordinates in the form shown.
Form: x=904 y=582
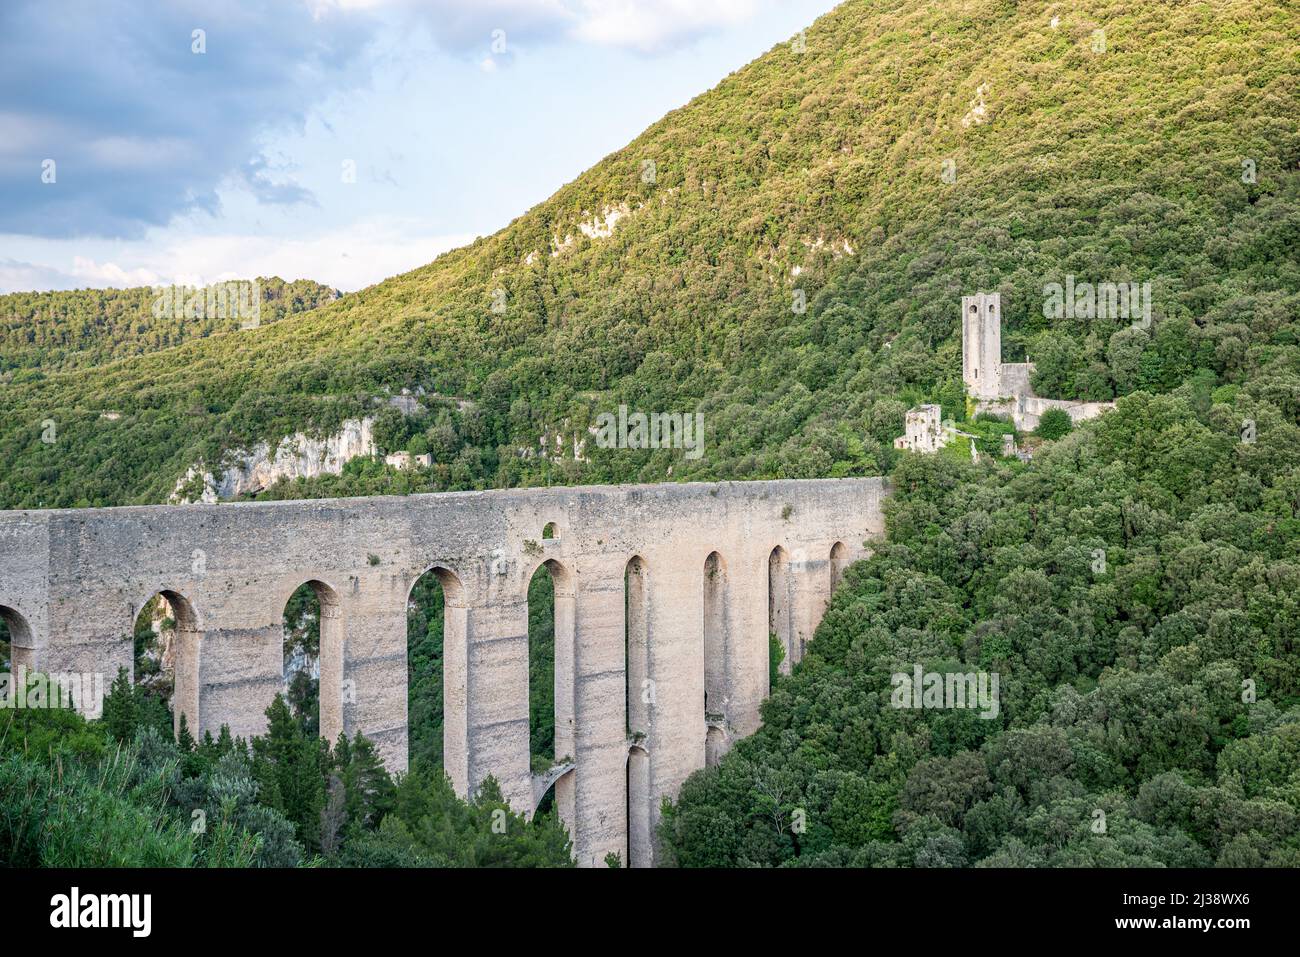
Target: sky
x=345 y=141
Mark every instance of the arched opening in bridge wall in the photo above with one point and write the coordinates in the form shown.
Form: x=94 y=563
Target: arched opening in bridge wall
x=839 y=562
x=167 y=648
x=435 y=672
x=313 y=659
x=551 y=609
x=638 y=808
x=715 y=637
x=779 y=618
x=716 y=687
x=639 y=699
x=16 y=645
x=636 y=648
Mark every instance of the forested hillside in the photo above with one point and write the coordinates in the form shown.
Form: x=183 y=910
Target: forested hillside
x=50 y=331
x=814 y=176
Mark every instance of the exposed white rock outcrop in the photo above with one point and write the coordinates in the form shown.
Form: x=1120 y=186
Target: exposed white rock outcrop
x=296 y=456
x=405 y=460
x=300 y=660
x=407 y=403
x=552 y=445
x=597 y=227
x=839 y=249
x=161 y=650
x=303 y=456
x=979 y=111
x=603 y=228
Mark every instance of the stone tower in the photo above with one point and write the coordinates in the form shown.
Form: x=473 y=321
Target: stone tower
x=981 y=344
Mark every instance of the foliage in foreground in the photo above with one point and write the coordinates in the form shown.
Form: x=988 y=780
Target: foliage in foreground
x=120 y=792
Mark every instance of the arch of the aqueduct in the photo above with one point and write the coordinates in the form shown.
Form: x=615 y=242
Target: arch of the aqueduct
x=690 y=563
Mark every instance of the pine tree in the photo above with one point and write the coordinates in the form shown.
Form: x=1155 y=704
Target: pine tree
x=342 y=752
x=185 y=740
x=370 y=790
x=224 y=743
x=333 y=816
x=290 y=766
x=120 y=710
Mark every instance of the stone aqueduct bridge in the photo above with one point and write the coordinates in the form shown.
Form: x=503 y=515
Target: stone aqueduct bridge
x=665 y=596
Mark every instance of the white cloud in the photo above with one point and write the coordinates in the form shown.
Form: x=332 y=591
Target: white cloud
x=468 y=25
x=348 y=258
x=16 y=276
x=90 y=273
x=82 y=273
x=651 y=26
x=647 y=26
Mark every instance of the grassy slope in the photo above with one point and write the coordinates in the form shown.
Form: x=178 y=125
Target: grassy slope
x=1112 y=166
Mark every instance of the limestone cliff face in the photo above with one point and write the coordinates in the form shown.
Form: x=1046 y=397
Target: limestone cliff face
x=296 y=456
x=297 y=660
x=161 y=650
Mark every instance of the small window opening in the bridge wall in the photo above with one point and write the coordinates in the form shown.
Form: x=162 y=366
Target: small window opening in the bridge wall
x=435 y=674
x=551 y=606
x=636 y=648
x=313 y=659
x=551 y=531
x=165 y=638
x=780 y=620
x=541 y=669
x=716 y=693
x=638 y=697
x=839 y=562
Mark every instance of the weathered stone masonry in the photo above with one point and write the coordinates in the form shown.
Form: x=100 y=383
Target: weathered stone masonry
x=703 y=571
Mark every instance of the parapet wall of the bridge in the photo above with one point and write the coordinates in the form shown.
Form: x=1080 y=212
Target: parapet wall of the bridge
x=665 y=599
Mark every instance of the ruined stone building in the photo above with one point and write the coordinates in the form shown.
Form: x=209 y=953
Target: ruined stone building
x=998 y=388
x=1003 y=388
x=924 y=430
